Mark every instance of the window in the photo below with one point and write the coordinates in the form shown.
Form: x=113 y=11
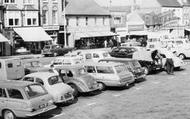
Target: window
x=35 y=90
x=54 y=17
x=2 y=93
x=38 y=80
x=16 y=22
x=77 y=21
x=28 y=1
x=44 y=16
x=14 y=93
x=9 y=65
x=29 y=22
x=9 y=1
x=54 y=80
x=117 y=20
x=67 y=20
x=69 y=74
x=88 y=56
x=11 y=22
x=86 y=21
x=90 y=69
x=95 y=55
x=34 y=21
x=31 y=79
x=105 y=69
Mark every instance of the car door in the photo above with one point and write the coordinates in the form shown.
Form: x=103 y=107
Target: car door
x=92 y=71
x=3 y=99
x=63 y=75
x=10 y=69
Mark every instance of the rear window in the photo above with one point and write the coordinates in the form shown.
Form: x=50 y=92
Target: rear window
x=120 y=68
x=35 y=90
x=105 y=69
x=54 y=80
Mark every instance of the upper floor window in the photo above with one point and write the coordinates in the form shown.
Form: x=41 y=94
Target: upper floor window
x=9 y=1
x=45 y=17
x=31 y=21
x=28 y=1
x=55 y=15
x=67 y=21
x=77 y=21
x=86 y=21
x=117 y=20
x=13 y=22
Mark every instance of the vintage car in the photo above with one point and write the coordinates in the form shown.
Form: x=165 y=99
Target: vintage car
x=90 y=55
x=123 y=52
x=65 y=61
x=55 y=50
x=23 y=99
x=33 y=65
x=77 y=77
x=133 y=66
x=61 y=92
x=110 y=74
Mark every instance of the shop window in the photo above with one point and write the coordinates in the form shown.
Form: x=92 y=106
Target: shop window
x=34 y=21
x=16 y=22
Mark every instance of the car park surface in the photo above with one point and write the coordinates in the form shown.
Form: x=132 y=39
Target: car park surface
x=61 y=92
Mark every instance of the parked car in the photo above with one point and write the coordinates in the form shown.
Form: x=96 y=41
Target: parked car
x=132 y=65
x=23 y=99
x=77 y=77
x=90 y=55
x=61 y=92
x=65 y=61
x=123 y=52
x=55 y=50
x=33 y=65
x=11 y=68
x=110 y=74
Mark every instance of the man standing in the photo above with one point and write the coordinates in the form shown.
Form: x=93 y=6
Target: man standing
x=169 y=65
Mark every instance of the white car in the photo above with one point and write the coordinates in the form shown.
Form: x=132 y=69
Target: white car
x=61 y=92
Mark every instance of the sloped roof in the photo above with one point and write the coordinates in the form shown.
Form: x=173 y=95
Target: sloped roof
x=186 y=3
x=120 y=9
x=169 y=3
x=134 y=17
x=85 y=7
x=12 y=7
x=30 y=8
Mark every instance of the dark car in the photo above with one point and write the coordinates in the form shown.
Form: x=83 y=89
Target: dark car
x=133 y=66
x=55 y=50
x=123 y=52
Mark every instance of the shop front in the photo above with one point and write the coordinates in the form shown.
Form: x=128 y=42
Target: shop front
x=52 y=31
x=32 y=39
x=3 y=43
x=90 y=40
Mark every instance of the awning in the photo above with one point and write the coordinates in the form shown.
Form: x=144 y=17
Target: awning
x=32 y=34
x=3 y=38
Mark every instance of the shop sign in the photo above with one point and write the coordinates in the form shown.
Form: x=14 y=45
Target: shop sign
x=135 y=27
x=50 y=28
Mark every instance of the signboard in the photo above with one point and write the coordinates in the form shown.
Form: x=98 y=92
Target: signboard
x=52 y=27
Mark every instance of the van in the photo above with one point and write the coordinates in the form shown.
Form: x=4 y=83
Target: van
x=110 y=74
x=11 y=68
x=133 y=66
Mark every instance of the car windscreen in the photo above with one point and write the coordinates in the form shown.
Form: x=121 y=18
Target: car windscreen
x=54 y=80
x=35 y=90
x=135 y=64
x=120 y=68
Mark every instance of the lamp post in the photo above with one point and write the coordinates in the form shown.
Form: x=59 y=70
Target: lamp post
x=64 y=16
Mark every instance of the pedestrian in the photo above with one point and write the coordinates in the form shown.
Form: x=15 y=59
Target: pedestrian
x=105 y=43
x=156 y=56
x=169 y=65
x=111 y=43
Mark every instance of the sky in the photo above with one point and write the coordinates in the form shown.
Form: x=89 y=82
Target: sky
x=114 y=2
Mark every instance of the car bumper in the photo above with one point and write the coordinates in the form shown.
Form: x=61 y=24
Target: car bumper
x=31 y=114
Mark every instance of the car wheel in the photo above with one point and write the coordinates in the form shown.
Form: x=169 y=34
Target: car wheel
x=146 y=70
x=101 y=86
x=7 y=114
x=182 y=56
x=75 y=92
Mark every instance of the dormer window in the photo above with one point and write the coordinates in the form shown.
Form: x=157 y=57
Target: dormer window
x=28 y=2
x=9 y=1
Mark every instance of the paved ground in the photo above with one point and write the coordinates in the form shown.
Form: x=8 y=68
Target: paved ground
x=161 y=96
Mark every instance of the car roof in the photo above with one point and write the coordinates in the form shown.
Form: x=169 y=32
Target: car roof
x=101 y=63
x=14 y=83
x=61 y=58
x=77 y=66
x=117 y=59
x=42 y=75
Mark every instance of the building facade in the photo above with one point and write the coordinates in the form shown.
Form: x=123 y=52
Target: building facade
x=87 y=27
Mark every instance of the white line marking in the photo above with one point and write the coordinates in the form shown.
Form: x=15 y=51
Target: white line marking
x=90 y=104
x=117 y=95
x=155 y=82
x=59 y=115
x=138 y=88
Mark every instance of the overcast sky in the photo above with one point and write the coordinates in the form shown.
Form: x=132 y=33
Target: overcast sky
x=114 y=2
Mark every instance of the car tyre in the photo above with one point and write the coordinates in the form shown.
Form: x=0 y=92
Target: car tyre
x=146 y=70
x=182 y=56
x=8 y=114
x=101 y=86
x=75 y=92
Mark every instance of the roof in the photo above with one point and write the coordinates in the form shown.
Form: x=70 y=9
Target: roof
x=169 y=3
x=77 y=66
x=120 y=9
x=14 y=83
x=41 y=75
x=12 y=7
x=30 y=8
x=186 y=3
x=85 y=7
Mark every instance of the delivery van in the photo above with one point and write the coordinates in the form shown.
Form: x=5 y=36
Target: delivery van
x=11 y=68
